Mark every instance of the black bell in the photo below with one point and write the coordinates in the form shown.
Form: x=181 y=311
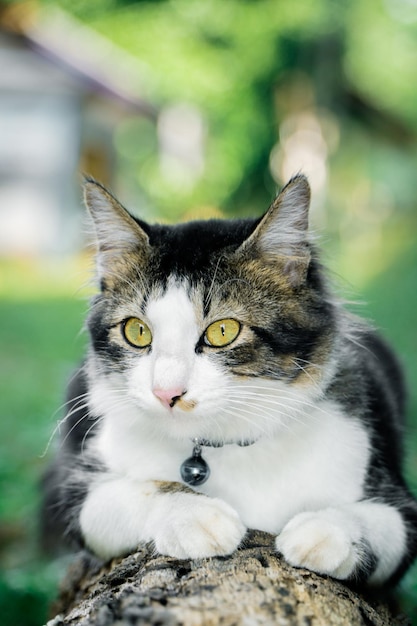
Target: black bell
x=194 y=470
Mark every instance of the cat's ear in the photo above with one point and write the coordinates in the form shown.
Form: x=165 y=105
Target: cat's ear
x=120 y=239
x=281 y=235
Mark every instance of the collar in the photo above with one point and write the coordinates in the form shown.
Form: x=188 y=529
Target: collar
x=195 y=470
x=201 y=442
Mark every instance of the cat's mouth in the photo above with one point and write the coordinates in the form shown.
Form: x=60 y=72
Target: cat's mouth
x=185 y=404
x=170 y=398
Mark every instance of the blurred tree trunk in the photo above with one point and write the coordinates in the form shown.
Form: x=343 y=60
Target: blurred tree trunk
x=252 y=587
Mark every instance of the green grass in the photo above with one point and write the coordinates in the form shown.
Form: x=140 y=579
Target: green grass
x=40 y=344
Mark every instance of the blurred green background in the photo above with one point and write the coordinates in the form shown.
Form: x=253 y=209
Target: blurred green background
x=188 y=108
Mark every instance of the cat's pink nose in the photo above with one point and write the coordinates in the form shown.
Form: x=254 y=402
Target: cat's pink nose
x=169 y=397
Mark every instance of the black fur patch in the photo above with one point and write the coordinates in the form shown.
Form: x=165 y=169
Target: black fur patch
x=188 y=250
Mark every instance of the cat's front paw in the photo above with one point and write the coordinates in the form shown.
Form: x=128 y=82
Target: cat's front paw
x=196 y=527
x=320 y=542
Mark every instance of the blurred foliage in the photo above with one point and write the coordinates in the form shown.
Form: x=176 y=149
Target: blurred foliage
x=327 y=86
x=236 y=62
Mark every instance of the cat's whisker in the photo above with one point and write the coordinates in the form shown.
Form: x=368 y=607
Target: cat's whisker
x=70 y=401
x=61 y=422
x=269 y=419
x=220 y=287
x=257 y=426
x=293 y=413
x=85 y=416
x=123 y=279
x=219 y=428
x=210 y=291
x=268 y=388
x=282 y=400
x=138 y=289
x=278 y=418
x=287 y=401
x=118 y=402
x=297 y=363
x=273 y=398
x=275 y=410
x=257 y=408
x=88 y=431
x=275 y=376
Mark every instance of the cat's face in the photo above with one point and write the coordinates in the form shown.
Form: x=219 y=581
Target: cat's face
x=215 y=330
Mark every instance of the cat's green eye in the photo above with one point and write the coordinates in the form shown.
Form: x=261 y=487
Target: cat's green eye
x=137 y=333
x=222 y=332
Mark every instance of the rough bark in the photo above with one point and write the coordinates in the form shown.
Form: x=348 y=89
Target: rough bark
x=254 y=586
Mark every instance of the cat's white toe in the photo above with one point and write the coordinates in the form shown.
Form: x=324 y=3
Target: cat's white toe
x=319 y=543
x=199 y=527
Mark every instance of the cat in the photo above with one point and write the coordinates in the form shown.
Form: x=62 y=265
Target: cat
x=226 y=388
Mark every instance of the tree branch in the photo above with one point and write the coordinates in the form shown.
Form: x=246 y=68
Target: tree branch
x=253 y=586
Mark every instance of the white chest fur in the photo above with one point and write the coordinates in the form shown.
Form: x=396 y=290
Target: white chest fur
x=316 y=464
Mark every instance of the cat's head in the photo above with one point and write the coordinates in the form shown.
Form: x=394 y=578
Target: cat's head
x=217 y=329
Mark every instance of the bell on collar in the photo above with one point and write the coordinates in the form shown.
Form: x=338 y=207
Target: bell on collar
x=194 y=470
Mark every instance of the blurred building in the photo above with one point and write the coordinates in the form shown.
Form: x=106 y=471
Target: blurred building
x=62 y=91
